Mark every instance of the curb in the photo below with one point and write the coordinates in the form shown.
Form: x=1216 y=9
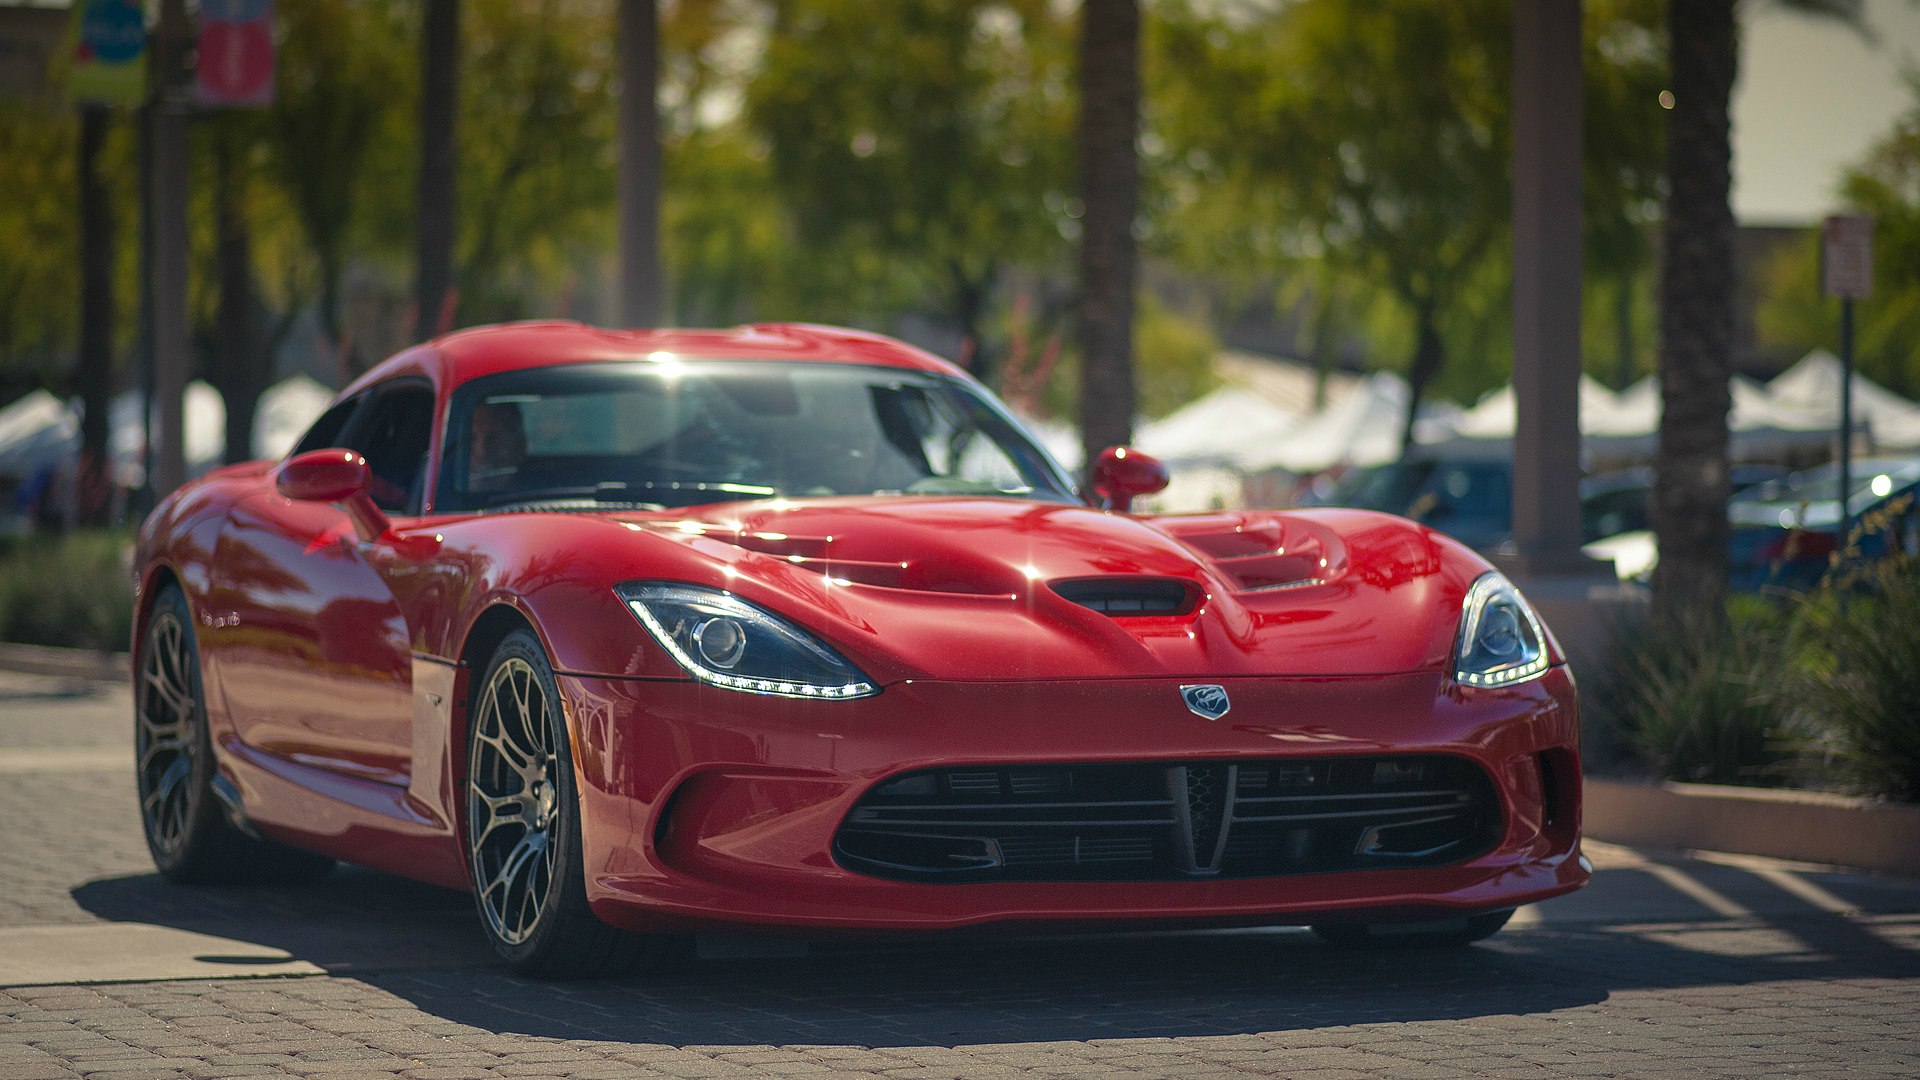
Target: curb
x=65 y=663
x=1801 y=826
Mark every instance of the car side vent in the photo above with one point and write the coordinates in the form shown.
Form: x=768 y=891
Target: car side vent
x=1127 y=597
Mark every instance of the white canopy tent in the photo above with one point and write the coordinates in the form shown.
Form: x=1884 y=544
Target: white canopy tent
x=1361 y=428
x=1602 y=412
x=206 y=432
x=1812 y=386
x=285 y=411
x=1761 y=422
x=1214 y=428
x=36 y=431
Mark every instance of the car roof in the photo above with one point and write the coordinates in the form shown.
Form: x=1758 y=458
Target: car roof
x=464 y=355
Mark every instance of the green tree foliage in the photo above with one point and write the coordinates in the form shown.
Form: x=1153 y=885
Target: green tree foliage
x=40 y=224
x=346 y=79
x=536 y=151
x=1364 y=148
x=1381 y=129
x=824 y=162
x=40 y=275
x=920 y=153
x=1794 y=313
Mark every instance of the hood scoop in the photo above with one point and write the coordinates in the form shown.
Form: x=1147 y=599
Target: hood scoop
x=1264 y=557
x=1131 y=597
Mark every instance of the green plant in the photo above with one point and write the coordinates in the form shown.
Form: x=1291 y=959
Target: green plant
x=1861 y=678
x=72 y=590
x=1692 y=697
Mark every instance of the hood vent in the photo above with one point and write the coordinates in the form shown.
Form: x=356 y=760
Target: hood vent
x=1257 y=560
x=1130 y=597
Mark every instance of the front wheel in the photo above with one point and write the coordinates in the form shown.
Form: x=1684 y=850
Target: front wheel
x=1464 y=930
x=523 y=827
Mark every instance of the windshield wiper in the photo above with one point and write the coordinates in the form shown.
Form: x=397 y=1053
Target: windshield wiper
x=590 y=498
x=620 y=494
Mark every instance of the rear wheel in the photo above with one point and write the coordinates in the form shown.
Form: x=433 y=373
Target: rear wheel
x=1464 y=930
x=186 y=828
x=523 y=827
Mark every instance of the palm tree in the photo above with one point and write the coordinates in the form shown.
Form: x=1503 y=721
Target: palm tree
x=1109 y=193
x=1696 y=302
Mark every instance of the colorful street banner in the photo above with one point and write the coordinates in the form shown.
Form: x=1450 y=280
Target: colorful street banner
x=109 y=40
x=236 y=53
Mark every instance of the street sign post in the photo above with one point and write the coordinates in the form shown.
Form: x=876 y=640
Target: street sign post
x=1846 y=271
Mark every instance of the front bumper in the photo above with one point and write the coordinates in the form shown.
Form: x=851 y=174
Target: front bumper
x=703 y=806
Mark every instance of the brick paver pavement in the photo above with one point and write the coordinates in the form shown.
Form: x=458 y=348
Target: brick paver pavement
x=1665 y=967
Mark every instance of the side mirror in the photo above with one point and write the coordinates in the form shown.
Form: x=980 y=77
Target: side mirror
x=334 y=476
x=1123 y=474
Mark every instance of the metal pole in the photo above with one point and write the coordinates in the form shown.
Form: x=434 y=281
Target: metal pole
x=1546 y=287
x=642 y=289
x=168 y=277
x=145 y=499
x=1846 y=422
x=438 y=187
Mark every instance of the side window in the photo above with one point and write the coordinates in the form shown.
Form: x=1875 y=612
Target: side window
x=392 y=433
x=327 y=430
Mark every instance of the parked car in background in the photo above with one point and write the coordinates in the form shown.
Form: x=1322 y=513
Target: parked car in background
x=1620 y=502
x=1469 y=499
x=1786 y=528
x=1786 y=531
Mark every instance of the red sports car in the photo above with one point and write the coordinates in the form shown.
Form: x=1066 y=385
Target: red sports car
x=638 y=634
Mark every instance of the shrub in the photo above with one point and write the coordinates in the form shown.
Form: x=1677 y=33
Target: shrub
x=1861 y=678
x=72 y=590
x=1694 y=699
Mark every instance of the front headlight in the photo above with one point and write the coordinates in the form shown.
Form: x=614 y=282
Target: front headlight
x=721 y=639
x=1501 y=641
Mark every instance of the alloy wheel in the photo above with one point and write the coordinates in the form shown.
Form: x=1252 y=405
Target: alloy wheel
x=513 y=801
x=165 y=735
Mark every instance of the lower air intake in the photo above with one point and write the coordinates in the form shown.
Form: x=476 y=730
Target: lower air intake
x=1171 y=820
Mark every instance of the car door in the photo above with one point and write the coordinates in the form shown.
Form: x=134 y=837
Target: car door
x=314 y=651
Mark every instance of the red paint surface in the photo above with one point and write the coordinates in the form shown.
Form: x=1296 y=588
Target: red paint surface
x=337 y=669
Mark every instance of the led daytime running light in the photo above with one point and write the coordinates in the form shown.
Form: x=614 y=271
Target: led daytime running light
x=771 y=687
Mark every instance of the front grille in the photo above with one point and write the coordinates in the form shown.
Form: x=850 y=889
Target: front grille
x=1171 y=820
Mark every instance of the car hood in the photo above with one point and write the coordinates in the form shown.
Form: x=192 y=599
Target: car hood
x=1000 y=589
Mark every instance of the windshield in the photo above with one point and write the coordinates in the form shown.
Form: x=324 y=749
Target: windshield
x=678 y=433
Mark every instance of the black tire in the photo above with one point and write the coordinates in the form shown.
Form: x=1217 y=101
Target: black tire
x=186 y=828
x=1436 y=933
x=523 y=828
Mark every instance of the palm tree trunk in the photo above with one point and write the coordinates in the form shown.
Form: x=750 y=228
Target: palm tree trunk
x=1109 y=192
x=240 y=366
x=1696 y=313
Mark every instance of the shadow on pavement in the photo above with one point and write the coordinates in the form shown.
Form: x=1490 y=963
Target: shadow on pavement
x=352 y=920
x=420 y=944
